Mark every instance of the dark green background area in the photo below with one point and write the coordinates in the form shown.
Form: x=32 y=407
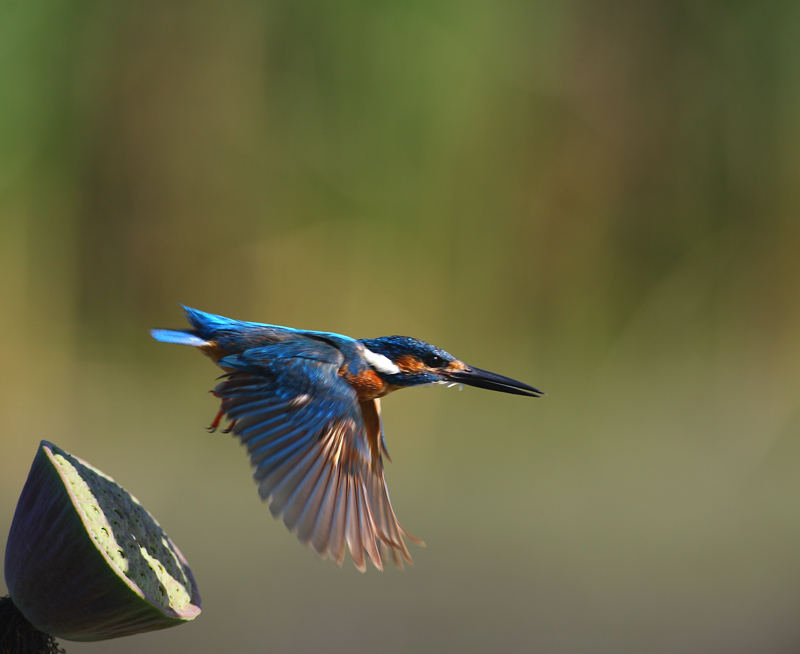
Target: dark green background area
x=601 y=199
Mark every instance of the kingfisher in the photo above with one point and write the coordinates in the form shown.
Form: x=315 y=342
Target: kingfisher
x=306 y=405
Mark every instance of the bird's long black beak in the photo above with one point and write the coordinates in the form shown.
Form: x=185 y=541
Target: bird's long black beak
x=491 y=381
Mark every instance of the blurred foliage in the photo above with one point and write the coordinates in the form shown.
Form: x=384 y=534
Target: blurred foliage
x=599 y=198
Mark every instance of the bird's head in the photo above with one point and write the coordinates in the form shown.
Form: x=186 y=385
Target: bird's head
x=404 y=361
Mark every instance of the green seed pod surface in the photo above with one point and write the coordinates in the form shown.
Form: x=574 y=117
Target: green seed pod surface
x=85 y=560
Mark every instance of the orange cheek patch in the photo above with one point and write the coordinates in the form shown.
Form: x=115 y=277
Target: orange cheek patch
x=410 y=364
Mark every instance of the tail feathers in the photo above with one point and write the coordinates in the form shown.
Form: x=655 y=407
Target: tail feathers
x=177 y=336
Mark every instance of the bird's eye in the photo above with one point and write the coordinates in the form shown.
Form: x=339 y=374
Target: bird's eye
x=436 y=361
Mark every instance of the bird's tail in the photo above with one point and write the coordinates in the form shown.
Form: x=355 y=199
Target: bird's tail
x=177 y=336
x=204 y=327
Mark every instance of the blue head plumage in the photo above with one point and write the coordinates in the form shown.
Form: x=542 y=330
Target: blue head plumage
x=416 y=361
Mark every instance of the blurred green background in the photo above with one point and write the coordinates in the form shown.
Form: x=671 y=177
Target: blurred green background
x=599 y=198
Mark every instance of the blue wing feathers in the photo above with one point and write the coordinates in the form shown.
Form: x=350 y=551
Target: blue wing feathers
x=250 y=437
x=303 y=490
x=260 y=410
x=306 y=518
x=314 y=524
x=270 y=483
x=272 y=455
x=320 y=524
x=338 y=522
x=269 y=358
x=276 y=436
x=293 y=482
x=281 y=441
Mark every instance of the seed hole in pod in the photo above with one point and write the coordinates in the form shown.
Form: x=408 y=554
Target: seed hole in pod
x=104 y=530
x=95 y=509
x=121 y=554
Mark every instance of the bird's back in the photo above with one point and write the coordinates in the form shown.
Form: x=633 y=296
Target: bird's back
x=234 y=336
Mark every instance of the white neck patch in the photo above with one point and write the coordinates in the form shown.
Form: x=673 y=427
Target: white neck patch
x=380 y=363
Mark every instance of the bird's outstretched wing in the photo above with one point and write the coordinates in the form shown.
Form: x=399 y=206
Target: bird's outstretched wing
x=315 y=448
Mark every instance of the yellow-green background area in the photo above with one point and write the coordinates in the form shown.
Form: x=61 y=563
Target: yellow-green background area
x=600 y=198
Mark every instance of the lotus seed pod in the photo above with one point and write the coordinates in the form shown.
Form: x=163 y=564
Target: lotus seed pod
x=85 y=561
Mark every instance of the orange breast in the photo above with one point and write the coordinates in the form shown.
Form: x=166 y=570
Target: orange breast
x=367 y=383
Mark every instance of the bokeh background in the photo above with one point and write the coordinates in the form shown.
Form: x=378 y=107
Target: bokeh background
x=599 y=198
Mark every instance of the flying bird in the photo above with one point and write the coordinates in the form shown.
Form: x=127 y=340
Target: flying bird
x=306 y=404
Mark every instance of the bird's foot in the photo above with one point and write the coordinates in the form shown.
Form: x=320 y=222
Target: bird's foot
x=215 y=423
